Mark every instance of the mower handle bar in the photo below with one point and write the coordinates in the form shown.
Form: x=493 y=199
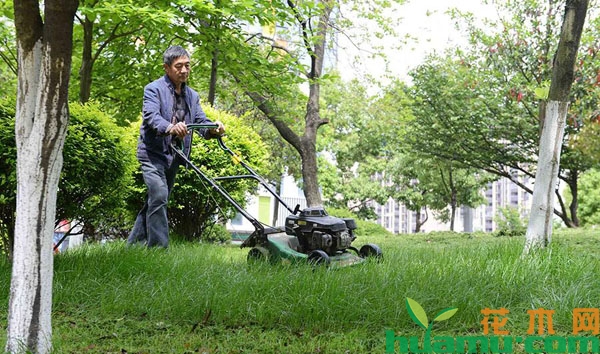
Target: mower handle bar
x=202 y=126
x=238 y=159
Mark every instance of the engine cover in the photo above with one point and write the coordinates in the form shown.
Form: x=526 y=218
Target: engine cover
x=318 y=231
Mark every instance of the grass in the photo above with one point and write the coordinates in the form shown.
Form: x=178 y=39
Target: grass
x=204 y=298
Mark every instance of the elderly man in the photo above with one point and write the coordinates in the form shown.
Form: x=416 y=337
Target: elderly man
x=169 y=105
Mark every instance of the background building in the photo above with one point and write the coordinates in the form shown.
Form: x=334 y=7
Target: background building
x=499 y=194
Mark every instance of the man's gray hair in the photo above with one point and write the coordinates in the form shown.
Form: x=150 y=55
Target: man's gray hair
x=174 y=52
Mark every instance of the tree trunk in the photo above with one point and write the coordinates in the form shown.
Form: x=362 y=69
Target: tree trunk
x=452 y=215
x=212 y=88
x=89 y=56
x=309 y=167
x=85 y=72
x=313 y=118
x=276 y=204
x=305 y=144
x=573 y=206
x=453 y=199
x=539 y=229
x=44 y=56
x=418 y=221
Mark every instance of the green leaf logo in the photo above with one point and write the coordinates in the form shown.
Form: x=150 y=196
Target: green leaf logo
x=445 y=314
x=417 y=313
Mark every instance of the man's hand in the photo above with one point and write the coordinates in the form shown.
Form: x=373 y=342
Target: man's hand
x=179 y=130
x=220 y=130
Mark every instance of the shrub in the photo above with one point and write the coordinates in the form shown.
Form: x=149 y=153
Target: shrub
x=99 y=158
x=216 y=234
x=96 y=174
x=193 y=203
x=365 y=228
x=589 y=198
x=8 y=173
x=509 y=222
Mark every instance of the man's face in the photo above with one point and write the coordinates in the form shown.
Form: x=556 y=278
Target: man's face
x=179 y=70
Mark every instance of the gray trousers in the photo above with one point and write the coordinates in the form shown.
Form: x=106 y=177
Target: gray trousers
x=151 y=224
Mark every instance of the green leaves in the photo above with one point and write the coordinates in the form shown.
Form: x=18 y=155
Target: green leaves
x=417 y=313
x=445 y=314
x=542 y=91
x=193 y=204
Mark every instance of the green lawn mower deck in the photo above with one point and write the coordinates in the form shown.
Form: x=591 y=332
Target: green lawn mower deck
x=282 y=248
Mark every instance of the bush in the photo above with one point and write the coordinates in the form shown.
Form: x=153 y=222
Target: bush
x=8 y=173
x=212 y=233
x=193 y=203
x=370 y=228
x=96 y=173
x=365 y=228
x=589 y=198
x=216 y=234
x=4 y=246
x=99 y=159
x=509 y=222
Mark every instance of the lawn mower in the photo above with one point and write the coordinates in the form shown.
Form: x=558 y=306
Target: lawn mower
x=310 y=235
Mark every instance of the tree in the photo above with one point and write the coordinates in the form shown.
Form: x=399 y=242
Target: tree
x=459 y=118
x=114 y=23
x=553 y=116
x=234 y=53
x=358 y=138
x=269 y=73
x=44 y=45
x=481 y=104
x=314 y=30
x=269 y=69
x=372 y=162
x=443 y=186
x=484 y=102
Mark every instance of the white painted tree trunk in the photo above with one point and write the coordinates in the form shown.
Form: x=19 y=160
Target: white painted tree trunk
x=40 y=132
x=539 y=229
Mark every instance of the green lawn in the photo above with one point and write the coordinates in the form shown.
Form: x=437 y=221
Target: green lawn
x=205 y=299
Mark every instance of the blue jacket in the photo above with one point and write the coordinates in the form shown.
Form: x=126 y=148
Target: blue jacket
x=157 y=113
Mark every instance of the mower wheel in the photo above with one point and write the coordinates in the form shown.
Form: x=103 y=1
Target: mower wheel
x=318 y=257
x=258 y=254
x=371 y=250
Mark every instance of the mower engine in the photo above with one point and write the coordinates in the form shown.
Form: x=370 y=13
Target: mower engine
x=316 y=230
